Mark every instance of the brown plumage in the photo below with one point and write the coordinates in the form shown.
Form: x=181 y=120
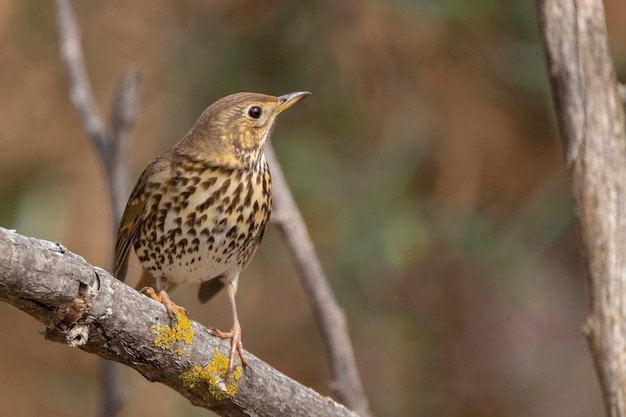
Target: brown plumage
x=198 y=211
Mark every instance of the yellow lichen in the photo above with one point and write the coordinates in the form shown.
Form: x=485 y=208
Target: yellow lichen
x=212 y=382
x=167 y=337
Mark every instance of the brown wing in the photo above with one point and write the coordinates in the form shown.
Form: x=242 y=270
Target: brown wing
x=135 y=213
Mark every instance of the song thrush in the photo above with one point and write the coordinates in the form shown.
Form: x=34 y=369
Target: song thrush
x=198 y=211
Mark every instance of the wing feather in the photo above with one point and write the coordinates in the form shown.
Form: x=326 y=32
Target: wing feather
x=134 y=214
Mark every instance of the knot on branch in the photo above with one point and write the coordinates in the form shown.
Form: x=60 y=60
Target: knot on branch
x=69 y=331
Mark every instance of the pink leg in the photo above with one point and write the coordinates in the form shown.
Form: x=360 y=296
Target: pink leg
x=234 y=334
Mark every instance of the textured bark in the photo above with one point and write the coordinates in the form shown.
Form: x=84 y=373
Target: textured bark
x=84 y=306
x=591 y=122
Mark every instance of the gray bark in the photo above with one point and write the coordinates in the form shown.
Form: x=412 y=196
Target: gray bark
x=591 y=122
x=84 y=306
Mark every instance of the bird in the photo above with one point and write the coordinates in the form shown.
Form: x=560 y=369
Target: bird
x=198 y=211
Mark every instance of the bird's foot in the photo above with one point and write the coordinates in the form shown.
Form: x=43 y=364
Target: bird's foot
x=235 y=345
x=163 y=298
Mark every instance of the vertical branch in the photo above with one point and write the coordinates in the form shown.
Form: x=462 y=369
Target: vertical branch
x=112 y=144
x=329 y=316
x=124 y=108
x=591 y=122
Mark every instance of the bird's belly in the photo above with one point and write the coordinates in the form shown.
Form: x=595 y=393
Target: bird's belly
x=194 y=265
x=203 y=237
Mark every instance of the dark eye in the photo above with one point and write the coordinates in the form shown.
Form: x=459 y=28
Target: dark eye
x=254 y=112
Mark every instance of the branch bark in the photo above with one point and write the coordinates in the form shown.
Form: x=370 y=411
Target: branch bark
x=84 y=306
x=591 y=122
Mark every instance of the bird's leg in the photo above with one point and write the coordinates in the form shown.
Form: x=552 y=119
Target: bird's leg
x=234 y=334
x=164 y=298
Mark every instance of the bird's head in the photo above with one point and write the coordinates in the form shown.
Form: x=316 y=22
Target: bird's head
x=233 y=130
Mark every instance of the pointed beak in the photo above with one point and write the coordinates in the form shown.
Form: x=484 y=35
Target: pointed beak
x=290 y=99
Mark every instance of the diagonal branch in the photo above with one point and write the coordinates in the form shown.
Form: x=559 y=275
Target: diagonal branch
x=84 y=306
x=80 y=90
x=329 y=316
x=111 y=141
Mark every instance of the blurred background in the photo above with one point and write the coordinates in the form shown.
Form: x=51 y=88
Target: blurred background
x=426 y=163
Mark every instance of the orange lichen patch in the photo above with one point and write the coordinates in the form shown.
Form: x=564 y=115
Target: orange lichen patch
x=168 y=337
x=212 y=382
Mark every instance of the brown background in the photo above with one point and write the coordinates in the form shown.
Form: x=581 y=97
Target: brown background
x=426 y=164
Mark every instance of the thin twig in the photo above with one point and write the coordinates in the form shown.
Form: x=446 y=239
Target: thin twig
x=329 y=316
x=124 y=108
x=112 y=143
x=80 y=91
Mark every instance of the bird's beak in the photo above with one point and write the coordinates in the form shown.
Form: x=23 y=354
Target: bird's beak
x=290 y=99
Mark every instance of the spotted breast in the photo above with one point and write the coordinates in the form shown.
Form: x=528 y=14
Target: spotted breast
x=203 y=222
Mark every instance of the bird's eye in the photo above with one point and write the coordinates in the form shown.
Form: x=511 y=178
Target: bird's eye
x=254 y=112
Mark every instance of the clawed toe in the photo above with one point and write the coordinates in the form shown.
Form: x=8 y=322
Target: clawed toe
x=236 y=346
x=163 y=298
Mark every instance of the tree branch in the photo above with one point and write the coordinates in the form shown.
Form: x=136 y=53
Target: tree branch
x=80 y=90
x=329 y=316
x=591 y=122
x=84 y=306
x=113 y=141
x=124 y=109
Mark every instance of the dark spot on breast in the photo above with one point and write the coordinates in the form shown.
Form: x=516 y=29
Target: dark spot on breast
x=208 y=183
x=206 y=203
x=191 y=219
x=225 y=185
x=220 y=226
